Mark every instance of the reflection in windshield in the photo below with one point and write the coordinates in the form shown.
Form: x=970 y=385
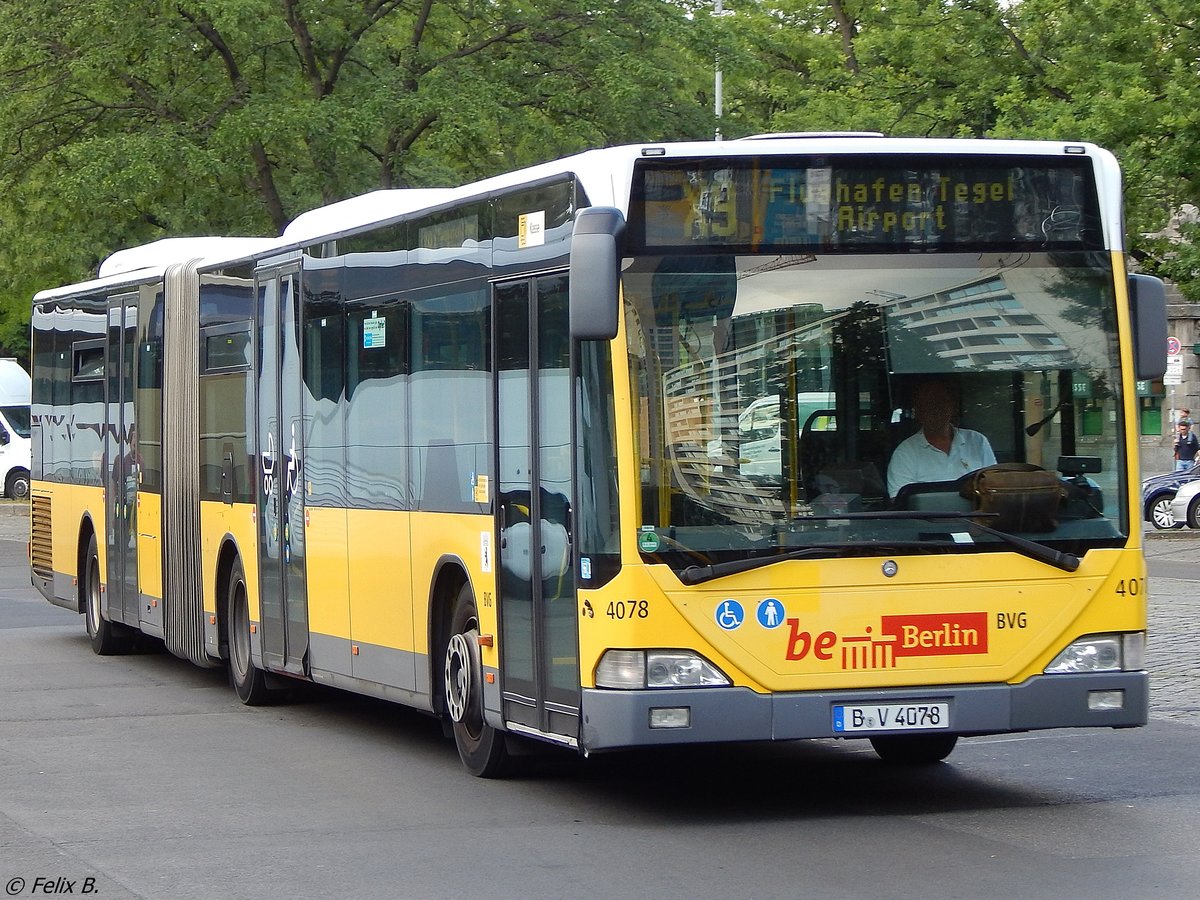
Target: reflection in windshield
x=773 y=391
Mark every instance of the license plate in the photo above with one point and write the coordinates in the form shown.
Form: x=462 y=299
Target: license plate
x=891 y=717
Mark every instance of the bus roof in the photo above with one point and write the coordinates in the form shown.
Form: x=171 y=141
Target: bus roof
x=605 y=175
x=149 y=262
x=160 y=254
x=377 y=206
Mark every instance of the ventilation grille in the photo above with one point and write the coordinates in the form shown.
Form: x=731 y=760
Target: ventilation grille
x=41 y=544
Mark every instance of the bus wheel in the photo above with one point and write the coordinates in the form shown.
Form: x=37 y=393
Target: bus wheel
x=914 y=749
x=248 y=680
x=107 y=637
x=480 y=746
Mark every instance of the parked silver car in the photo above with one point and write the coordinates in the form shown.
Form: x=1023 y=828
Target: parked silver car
x=1185 y=506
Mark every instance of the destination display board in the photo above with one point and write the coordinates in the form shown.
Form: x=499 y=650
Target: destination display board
x=863 y=203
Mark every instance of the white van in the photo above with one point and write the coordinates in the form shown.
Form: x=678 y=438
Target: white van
x=15 y=446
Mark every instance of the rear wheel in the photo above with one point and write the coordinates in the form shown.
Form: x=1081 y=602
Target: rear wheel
x=248 y=680
x=914 y=749
x=107 y=637
x=481 y=747
x=1158 y=512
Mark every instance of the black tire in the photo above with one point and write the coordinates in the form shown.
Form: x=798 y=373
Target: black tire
x=16 y=487
x=1193 y=513
x=1158 y=513
x=248 y=680
x=481 y=747
x=108 y=638
x=914 y=749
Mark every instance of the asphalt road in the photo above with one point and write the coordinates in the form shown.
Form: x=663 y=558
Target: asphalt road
x=142 y=776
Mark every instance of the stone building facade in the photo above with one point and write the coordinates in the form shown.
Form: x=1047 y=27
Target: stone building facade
x=1158 y=402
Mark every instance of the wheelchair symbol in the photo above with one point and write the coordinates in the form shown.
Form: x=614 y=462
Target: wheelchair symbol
x=730 y=615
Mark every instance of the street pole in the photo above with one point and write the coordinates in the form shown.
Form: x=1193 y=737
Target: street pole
x=718 y=86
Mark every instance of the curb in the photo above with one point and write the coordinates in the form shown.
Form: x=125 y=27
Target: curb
x=1171 y=534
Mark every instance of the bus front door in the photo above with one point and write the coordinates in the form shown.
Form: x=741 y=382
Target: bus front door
x=538 y=622
x=283 y=614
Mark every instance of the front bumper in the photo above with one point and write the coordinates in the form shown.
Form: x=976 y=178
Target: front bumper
x=615 y=719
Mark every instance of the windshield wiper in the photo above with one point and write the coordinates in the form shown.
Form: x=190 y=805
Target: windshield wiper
x=1068 y=562
x=697 y=574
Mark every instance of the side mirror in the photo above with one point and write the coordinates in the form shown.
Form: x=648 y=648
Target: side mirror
x=595 y=278
x=1148 y=313
x=4 y=436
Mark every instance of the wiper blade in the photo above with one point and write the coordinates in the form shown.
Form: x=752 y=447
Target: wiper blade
x=1068 y=562
x=698 y=574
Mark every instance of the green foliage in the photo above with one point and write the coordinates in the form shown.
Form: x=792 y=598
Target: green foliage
x=1120 y=73
x=123 y=121
x=129 y=120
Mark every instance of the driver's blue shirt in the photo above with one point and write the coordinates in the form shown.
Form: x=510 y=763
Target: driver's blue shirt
x=918 y=460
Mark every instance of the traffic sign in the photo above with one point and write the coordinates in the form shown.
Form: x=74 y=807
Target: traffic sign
x=1174 y=370
x=1173 y=346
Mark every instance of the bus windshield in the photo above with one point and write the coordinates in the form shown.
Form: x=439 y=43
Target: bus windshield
x=772 y=391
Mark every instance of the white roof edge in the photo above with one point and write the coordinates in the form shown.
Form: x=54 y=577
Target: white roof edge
x=165 y=252
x=377 y=206
x=149 y=262
x=381 y=206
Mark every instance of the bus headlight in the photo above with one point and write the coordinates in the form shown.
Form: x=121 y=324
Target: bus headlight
x=636 y=669
x=1102 y=653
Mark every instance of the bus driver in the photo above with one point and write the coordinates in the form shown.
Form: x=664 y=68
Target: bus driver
x=940 y=451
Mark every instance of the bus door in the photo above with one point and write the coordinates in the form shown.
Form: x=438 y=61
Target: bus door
x=121 y=462
x=538 y=622
x=283 y=617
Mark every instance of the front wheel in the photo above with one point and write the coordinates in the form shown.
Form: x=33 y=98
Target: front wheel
x=1159 y=513
x=481 y=747
x=914 y=749
x=248 y=680
x=107 y=638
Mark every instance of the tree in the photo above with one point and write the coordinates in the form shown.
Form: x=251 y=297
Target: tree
x=129 y=120
x=1120 y=73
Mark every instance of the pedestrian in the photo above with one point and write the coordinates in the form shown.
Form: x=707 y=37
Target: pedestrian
x=1186 y=415
x=1186 y=446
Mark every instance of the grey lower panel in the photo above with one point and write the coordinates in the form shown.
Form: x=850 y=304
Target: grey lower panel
x=64 y=591
x=212 y=637
x=376 y=671
x=491 y=698
x=372 y=689
x=152 y=618
x=614 y=719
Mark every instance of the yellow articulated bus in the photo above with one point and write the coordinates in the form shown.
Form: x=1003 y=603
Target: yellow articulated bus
x=781 y=438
